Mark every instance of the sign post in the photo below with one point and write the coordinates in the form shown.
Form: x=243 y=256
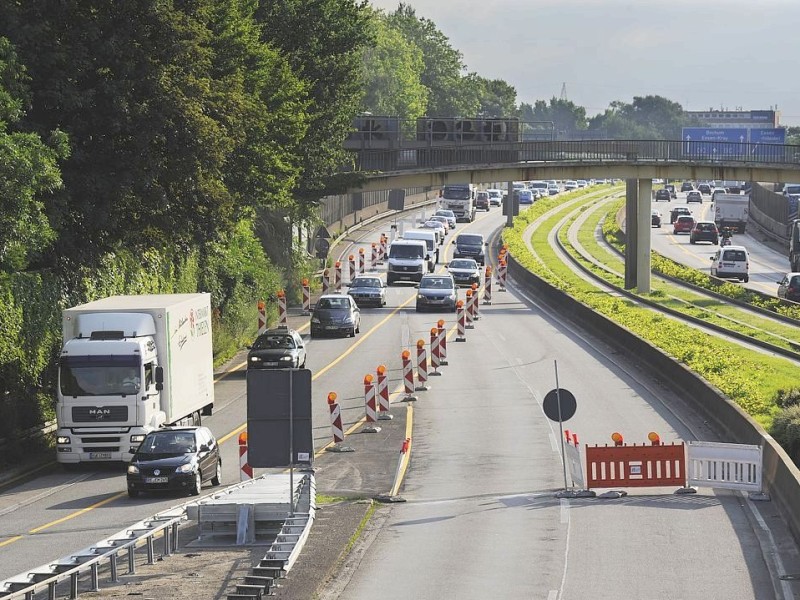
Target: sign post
x=560 y=405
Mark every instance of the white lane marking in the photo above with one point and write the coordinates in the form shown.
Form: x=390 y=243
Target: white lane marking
x=519 y=361
x=553 y=441
x=502 y=337
x=552 y=595
x=786 y=589
x=564 y=510
x=566 y=559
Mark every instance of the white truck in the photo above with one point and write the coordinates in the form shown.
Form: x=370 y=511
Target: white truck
x=128 y=365
x=731 y=210
x=460 y=198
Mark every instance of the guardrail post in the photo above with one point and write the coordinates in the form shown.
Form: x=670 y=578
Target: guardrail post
x=51 y=592
x=167 y=541
x=175 y=529
x=131 y=559
x=73 y=586
x=95 y=578
x=150 y=560
x=112 y=561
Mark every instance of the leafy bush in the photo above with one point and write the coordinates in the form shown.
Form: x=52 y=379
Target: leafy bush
x=786 y=431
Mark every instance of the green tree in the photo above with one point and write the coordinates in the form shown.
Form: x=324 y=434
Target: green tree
x=497 y=98
x=647 y=117
x=28 y=173
x=393 y=69
x=565 y=115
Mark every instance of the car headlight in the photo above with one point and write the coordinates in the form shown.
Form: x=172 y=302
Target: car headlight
x=255 y=359
x=185 y=468
x=133 y=470
x=286 y=358
x=420 y=297
x=348 y=320
x=315 y=319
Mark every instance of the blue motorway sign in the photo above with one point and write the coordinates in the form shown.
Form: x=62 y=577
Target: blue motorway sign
x=767 y=144
x=702 y=142
x=768 y=136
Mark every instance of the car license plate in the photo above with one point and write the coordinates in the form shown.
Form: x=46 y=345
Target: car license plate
x=156 y=479
x=99 y=455
x=728 y=264
x=272 y=364
x=331 y=327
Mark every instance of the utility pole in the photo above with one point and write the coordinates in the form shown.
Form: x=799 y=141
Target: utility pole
x=564 y=91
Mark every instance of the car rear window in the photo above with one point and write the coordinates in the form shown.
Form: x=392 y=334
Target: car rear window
x=734 y=255
x=706 y=226
x=685 y=219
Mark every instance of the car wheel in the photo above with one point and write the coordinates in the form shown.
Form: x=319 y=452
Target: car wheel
x=746 y=278
x=691 y=241
x=133 y=493
x=197 y=484
x=217 y=479
x=303 y=366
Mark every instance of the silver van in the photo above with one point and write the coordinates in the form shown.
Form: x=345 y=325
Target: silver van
x=731 y=262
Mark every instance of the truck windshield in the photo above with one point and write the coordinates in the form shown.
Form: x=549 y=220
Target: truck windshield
x=414 y=251
x=100 y=375
x=792 y=189
x=456 y=193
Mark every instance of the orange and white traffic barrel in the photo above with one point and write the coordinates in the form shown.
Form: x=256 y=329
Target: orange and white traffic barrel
x=468 y=310
x=442 y=342
x=337 y=276
x=408 y=376
x=306 y=297
x=282 y=308
x=487 y=285
x=382 y=250
x=383 y=394
x=245 y=470
x=361 y=260
x=435 y=362
x=461 y=331
x=422 y=367
x=262 y=317
x=476 y=301
x=370 y=405
x=326 y=281
x=373 y=261
x=502 y=270
x=336 y=426
x=352 y=260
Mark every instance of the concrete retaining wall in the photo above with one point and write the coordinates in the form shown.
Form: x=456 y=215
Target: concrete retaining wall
x=781 y=476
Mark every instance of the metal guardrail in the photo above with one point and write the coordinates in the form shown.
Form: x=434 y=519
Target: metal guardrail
x=47 y=578
x=625 y=151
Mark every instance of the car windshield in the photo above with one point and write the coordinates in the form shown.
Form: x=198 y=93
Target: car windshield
x=463 y=263
x=436 y=283
x=273 y=342
x=469 y=240
x=333 y=303
x=494 y=193
x=445 y=213
x=366 y=282
x=792 y=189
x=168 y=442
x=406 y=251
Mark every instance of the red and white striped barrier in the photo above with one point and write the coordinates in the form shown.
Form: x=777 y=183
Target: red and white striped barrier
x=476 y=301
x=336 y=426
x=383 y=394
x=442 y=342
x=361 y=260
x=487 y=285
x=306 y=297
x=373 y=259
x=502 y=271
x=370 y=406
x=461 y=331
x=245 y=470
x=352 y=261
x=326 y=282
x=262 y=317
x=422 y=367
x=408 y=376
x=282 y=308
x=382 y=250
x=435 y=362
x=469 y=308
x=337 y=276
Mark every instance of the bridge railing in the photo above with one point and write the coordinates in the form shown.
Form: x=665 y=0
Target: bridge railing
x=433 y=156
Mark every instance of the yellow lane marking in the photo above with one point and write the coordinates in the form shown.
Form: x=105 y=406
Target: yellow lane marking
x=10 y=540
x=77 y=513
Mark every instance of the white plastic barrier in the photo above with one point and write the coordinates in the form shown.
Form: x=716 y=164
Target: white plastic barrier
x=573 y=456
x=721 y=465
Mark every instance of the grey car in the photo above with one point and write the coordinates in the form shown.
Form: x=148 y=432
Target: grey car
x=280 y=348
x=465 y=271
x=368 y=290
x=437 y=292
x=335 y=314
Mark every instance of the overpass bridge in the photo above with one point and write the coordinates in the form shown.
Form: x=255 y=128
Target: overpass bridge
x=638 y=162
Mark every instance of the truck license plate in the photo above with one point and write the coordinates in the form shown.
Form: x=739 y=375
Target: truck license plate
x=99 y=455
x=156 y=479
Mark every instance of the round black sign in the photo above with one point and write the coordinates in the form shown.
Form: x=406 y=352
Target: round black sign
x=321 y=245
x=568 y=405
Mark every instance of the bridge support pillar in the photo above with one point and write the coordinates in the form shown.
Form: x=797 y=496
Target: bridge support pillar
x=631 y=228
x=644 y=229
x=509 y=205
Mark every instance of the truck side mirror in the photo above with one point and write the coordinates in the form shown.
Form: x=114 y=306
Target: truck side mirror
x=159 y=378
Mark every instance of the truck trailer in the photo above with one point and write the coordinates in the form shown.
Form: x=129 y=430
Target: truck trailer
x=129 y=365
x=731 y=210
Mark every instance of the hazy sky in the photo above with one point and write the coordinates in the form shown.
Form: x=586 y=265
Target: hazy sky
x=700 y=53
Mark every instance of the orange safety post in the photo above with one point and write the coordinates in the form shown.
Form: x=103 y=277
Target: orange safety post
x=442 y=342
x=245 y=470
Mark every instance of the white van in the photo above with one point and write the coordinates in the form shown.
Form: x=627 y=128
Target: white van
x=429 y=237
x=731 y=262
x=407 y=261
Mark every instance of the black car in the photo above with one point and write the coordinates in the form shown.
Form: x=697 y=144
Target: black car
x=368 y=290
x=179 y=459
x=655 y=218
x=663 y=195
x=677 y=212
x=336 y=314
x=470 y=245
x=465 y=271
x=280 y=348
x=789 y=287
x=704 y=231
x=704 y=188
x=687 y=186
x=437 y=292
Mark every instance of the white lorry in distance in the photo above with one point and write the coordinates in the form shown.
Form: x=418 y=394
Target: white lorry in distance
x=731 y=210
x=460 y=198
x=129 y=365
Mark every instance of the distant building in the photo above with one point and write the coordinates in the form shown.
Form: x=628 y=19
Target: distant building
x=742 y=119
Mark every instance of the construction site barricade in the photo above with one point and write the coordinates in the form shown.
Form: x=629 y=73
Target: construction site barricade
x=635 y=466
x=722 y=465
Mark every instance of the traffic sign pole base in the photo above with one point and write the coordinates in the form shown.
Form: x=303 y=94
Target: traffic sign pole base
x=487 y=302
x=470 y=326
x=575 y=494
x=686 y=490
x=409 y=398
x=759 y=496
x=422 y=388
x=443 y=363
x=385 y=417
x=434 y=374
x=461 y=339
x=371 y=429
x=339 y=448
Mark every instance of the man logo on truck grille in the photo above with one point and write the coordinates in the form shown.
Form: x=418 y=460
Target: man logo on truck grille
x=100 y=413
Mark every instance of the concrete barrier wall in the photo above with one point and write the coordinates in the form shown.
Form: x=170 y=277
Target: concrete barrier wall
x=340 y=213
x=781 y=475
